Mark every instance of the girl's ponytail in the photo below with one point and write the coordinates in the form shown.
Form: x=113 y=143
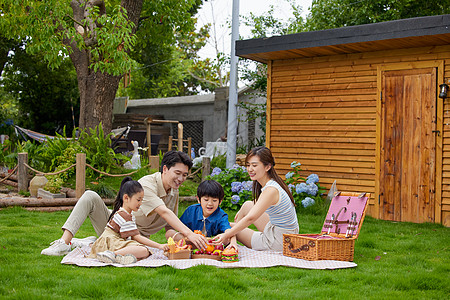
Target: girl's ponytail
x=124 y=189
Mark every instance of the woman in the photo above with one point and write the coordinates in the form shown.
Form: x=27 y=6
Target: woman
x=272 y=210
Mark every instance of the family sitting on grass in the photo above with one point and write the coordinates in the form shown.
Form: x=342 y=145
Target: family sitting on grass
x=144 y=207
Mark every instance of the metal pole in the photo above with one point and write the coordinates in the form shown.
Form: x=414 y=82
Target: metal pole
x=233 y=95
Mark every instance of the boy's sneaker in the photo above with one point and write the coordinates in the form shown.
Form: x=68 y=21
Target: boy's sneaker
x=83 y=242
x=107 y=257
x=57 y=248
x=126 y=259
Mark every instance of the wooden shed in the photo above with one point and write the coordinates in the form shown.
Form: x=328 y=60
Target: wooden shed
x=360 y=105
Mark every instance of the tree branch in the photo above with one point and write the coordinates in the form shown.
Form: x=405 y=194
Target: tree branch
x=204 y=79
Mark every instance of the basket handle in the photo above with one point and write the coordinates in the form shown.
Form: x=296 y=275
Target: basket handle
x=305 y=247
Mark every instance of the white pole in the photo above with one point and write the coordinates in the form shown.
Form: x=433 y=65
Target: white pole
x=233 y=95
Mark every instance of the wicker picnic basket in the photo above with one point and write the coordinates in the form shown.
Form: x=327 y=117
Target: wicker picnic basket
x=339 y=232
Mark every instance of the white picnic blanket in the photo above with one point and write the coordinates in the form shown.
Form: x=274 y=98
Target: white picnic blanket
x=248 y=258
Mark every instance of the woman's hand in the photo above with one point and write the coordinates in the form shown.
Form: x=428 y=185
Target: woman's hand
x=220 y=239
x=232 y=245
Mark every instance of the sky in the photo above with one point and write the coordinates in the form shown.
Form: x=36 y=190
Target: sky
x=219 y=12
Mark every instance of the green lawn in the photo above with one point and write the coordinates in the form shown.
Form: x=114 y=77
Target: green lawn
x=395 y=261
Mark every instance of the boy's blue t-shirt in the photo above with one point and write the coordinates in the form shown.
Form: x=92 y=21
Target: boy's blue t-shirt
x=216 y=223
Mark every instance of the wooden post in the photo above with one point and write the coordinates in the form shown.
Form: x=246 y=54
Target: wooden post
x=206 y=165
x=80 y=175
x=180 y=137
x=147 y=122
x=22 y=174
x=154 y=162
x=170 y=143
x=189 y=147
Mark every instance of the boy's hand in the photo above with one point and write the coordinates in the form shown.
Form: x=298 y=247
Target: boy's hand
x=198 y=240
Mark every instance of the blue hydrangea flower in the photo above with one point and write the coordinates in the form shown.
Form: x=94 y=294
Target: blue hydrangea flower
x=313 y=178
x=308 y=202
x=301 y=188
x=236 y=167
x=235 y=199
x=247 y=185
x=289 y=175
x=312 y=189
x=295 y=164
x=236 y=187
x=216 y=171
x=291 y=187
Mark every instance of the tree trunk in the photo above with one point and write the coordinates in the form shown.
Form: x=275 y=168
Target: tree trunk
x=97 y=93
x=97 y=89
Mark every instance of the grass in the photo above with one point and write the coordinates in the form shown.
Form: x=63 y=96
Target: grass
x=395 y=260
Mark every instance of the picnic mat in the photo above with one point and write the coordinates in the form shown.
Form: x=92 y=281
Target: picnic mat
x=248 y=258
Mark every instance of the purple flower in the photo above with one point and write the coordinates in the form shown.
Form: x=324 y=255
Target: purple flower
x=301 y=188
x=313 y=189
x=313 y=178
x=291 y=187
x=308 y=202
x=247 y=185
x=295 y=164
x=235 y=199
x=289 y=175
x=236 y=167
x=236 y=187
x=216 y=171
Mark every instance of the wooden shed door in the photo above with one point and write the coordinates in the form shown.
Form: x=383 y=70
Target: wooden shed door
x=407 y=171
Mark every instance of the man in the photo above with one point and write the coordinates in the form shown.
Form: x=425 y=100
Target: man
x=159 y=207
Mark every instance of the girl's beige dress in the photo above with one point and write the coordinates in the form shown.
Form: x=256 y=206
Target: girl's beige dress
x=117 y=235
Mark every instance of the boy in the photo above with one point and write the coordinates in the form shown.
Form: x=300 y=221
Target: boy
x=207 y=216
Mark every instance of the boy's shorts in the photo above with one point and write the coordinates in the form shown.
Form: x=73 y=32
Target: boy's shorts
x=271 y=239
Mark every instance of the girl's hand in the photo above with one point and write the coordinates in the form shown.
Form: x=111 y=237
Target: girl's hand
x=164 y=247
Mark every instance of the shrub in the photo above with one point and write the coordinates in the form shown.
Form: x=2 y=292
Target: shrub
x=307 y=192
x=219 y=161
x=97 y=147
x=236 y=184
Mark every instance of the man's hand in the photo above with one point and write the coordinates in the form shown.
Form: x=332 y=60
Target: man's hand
x=198 y=240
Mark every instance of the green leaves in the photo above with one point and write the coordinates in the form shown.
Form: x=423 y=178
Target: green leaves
x=325 y=14
x=50 y=27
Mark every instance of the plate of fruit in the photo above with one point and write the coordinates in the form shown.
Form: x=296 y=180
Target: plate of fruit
x=178 y=250
x=210 y=252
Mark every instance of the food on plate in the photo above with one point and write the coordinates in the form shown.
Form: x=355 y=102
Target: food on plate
x=230 y=255
x=176 y=247
x=198 y=232
x=172 y=245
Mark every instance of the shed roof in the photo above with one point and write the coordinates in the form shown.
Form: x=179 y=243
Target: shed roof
x=405 y=33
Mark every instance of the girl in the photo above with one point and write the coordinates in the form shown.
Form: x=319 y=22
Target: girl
x=121 y=241
x=272 y=210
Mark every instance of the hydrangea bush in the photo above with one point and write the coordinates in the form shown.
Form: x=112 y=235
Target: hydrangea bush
x=236 y=184
x=238 y=187
x=307 y=192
